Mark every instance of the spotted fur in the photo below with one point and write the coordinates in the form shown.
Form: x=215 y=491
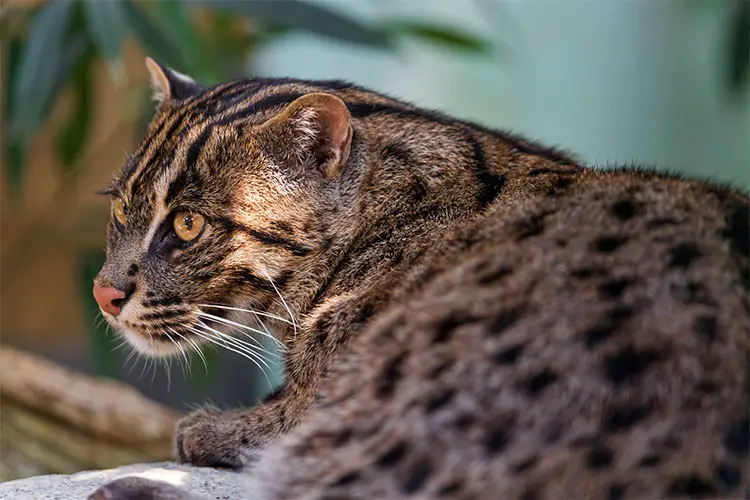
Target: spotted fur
x=478 y=316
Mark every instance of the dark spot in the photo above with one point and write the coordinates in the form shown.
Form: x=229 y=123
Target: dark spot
x=608 y=244
x=660 y=222
x=588 y=272
x=616 y=491
x=418 y=476
x=464 y=421
x=553 y=434
x=284 y=227
x=628 y=363
x=530 y=493
x=445 y=328
x=505 y=320
x=508 y=355
x=623 y=418
x=341 y=438
x=608 y=324
x=450 y=489
x=346 y=479
x=389 y=377
x=683 y=254
x=650 y=460
x=439 y=400
x=525 y=465
x=737 y=438
x=393 y=455
x=599 y=457
x=745 y=278
x=690 y=486
x=530 y=226
x=365 y=313
x=559 y=186
x=494 y=276
x=133 y=270
x=613 y=288
x=706 y=326
x=737 y=229
x=624 y=209
x=729 y=475
x=439 y=369
x=245 y=441
x=536 y=384
x=496 y=439
x=692 y=293
x=706 y=386
x=150 y=294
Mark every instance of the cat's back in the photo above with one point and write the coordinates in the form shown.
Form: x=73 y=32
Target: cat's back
x=589 y=342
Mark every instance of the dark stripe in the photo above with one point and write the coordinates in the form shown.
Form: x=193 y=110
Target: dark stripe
x=259 y=106
x=171 y=313
x=489 y=185
x=268 y=238
x=185 y=177
x=195 y=148
x=247 y=276
x=276 y=240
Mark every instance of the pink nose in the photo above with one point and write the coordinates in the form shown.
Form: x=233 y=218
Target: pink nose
x=109 y=299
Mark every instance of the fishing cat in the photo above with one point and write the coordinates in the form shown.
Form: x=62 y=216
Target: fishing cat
x=464 y=313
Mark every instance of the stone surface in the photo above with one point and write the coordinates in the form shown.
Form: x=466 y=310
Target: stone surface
x=210 y=483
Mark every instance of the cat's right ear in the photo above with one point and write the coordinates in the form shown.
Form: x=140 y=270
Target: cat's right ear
x=170 y=85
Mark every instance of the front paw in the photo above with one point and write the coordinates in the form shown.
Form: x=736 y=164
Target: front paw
x=138 y=488
x=211 y=438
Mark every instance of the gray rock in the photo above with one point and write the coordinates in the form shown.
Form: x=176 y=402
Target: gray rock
x=210 y=483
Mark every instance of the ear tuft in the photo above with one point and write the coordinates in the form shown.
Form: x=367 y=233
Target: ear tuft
x=170 y=85
x=319 y=133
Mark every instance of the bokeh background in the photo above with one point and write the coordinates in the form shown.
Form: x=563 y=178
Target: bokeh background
x=659 y=83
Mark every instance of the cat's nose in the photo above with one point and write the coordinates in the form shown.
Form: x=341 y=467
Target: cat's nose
x=110 y=299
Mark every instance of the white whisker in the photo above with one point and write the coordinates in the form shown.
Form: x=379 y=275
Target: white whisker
x=286 y=306
x=240 y=325
x=256 y=313
x=239 y=342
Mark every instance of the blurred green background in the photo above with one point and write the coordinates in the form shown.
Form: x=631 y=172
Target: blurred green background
x=662 y=83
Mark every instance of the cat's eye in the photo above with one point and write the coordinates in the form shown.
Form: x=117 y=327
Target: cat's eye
x=120 y=211
x=187 y=225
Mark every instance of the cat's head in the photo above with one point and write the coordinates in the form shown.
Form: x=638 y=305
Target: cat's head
x=217 y=208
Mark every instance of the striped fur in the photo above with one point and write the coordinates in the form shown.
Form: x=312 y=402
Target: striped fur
x=442 y=278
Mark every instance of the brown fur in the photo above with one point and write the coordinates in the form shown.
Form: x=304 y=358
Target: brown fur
x=479 y=317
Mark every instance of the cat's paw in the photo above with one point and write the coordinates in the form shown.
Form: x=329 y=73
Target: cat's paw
x=138 y=488
x=211 y=438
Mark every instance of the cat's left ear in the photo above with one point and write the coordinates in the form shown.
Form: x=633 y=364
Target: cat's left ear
x=170 y=85
x=311 y=135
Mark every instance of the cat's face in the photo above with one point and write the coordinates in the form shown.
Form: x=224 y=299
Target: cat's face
x=211 y=216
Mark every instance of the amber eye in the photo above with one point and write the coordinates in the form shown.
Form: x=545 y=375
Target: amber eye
x=120 y=210
x=187 y=226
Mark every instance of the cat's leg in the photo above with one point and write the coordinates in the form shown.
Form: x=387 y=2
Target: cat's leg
x=138 y=488
x=233 y=439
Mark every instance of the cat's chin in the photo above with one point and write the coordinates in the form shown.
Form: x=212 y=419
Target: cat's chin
x=149 y=345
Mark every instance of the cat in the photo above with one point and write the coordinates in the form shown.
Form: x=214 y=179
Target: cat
x=463 y=313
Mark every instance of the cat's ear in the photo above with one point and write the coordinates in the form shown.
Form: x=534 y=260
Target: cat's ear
x=170 y=85
x=313 y=133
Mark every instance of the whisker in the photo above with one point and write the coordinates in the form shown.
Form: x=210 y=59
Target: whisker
x=286 y=306
x=240 y=325
x=178 y=346
x=237 y=341
x=197 y=350
x=256 y=313
x=220 y=342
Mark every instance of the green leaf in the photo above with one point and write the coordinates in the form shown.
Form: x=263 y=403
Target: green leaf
x=306 y=16
x=42 y=66
x=105 y=22
x=72 y=136
x=739 y=47
x=13 y=146
x=440 y=35
x=148 y=34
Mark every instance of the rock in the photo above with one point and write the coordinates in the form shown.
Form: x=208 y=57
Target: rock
x=210 y=483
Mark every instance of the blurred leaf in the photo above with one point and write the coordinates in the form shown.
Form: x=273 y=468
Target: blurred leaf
x=14 y=147
x=103 y=357
x=173 y=19
x=739 y=47
x=73 y=133
x=41 y=66
x=106 y=23
x=440 y=35
x=150 y=36
x=297 y=14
